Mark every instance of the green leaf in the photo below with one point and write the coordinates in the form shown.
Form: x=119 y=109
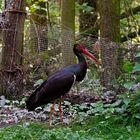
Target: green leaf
x=120 y=110
x=136 y=67
x=137 y=116
x=127 y=101
x=38 y=82
x=128 y=66
x=117 y=103
x=137 y=55
x=137 y=105
x=129 y=85
x=67 y=103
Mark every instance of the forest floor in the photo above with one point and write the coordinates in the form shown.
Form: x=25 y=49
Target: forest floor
x=14 y=111
x=86 y=117
x=93 y=128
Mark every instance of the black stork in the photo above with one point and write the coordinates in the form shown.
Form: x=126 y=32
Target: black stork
x=61 y=82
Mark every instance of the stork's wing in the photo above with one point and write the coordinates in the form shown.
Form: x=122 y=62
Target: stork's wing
x=55 y=87
x=58 y=85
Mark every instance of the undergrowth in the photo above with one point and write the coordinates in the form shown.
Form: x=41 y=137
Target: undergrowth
x=117 y=121
x=94 y=128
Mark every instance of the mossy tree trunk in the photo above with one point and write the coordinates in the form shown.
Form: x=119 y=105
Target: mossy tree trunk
x=110 y=37
x=68 y=30
x=11 y=81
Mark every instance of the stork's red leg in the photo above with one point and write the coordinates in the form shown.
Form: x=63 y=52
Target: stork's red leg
x=51 y=112
x=60 y=110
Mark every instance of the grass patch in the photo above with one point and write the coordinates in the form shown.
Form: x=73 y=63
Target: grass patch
x=95 y=128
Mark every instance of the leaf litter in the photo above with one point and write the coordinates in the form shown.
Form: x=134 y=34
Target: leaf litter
x=14 y=111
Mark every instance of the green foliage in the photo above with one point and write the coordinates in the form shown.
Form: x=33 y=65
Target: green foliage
x=130 y=106
x=84 y=7
x=131 y=74
x=40 y=132
x=129 y=85
x=138 y=54
x=54 y=10
x=128 y=66
x=95 y=128
x=136 y=68
x=94 y=121
x=38 y=82
x=1 y=4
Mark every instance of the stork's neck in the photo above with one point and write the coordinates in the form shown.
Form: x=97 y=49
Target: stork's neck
x=81 y=69
x=80 y=57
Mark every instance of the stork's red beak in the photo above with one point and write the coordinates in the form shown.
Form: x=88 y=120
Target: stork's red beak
x=86 y=52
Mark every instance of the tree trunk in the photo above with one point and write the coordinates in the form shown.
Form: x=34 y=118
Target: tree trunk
x=110 y=36
x=68 y=30
x=11 y=82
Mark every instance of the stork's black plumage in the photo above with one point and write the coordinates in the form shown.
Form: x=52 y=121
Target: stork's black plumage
x=61 y=82
x=55 y=87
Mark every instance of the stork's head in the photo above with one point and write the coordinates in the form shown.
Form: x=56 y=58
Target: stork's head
x=80 y=48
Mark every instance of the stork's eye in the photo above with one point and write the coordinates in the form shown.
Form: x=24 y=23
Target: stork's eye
x=79 y=48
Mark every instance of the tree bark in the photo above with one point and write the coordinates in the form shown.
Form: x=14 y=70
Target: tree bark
x=11 y=82
x=110 y=36
x=68 y=30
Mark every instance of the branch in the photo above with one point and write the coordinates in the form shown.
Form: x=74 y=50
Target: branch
x=129 y=12
x=130 y=35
